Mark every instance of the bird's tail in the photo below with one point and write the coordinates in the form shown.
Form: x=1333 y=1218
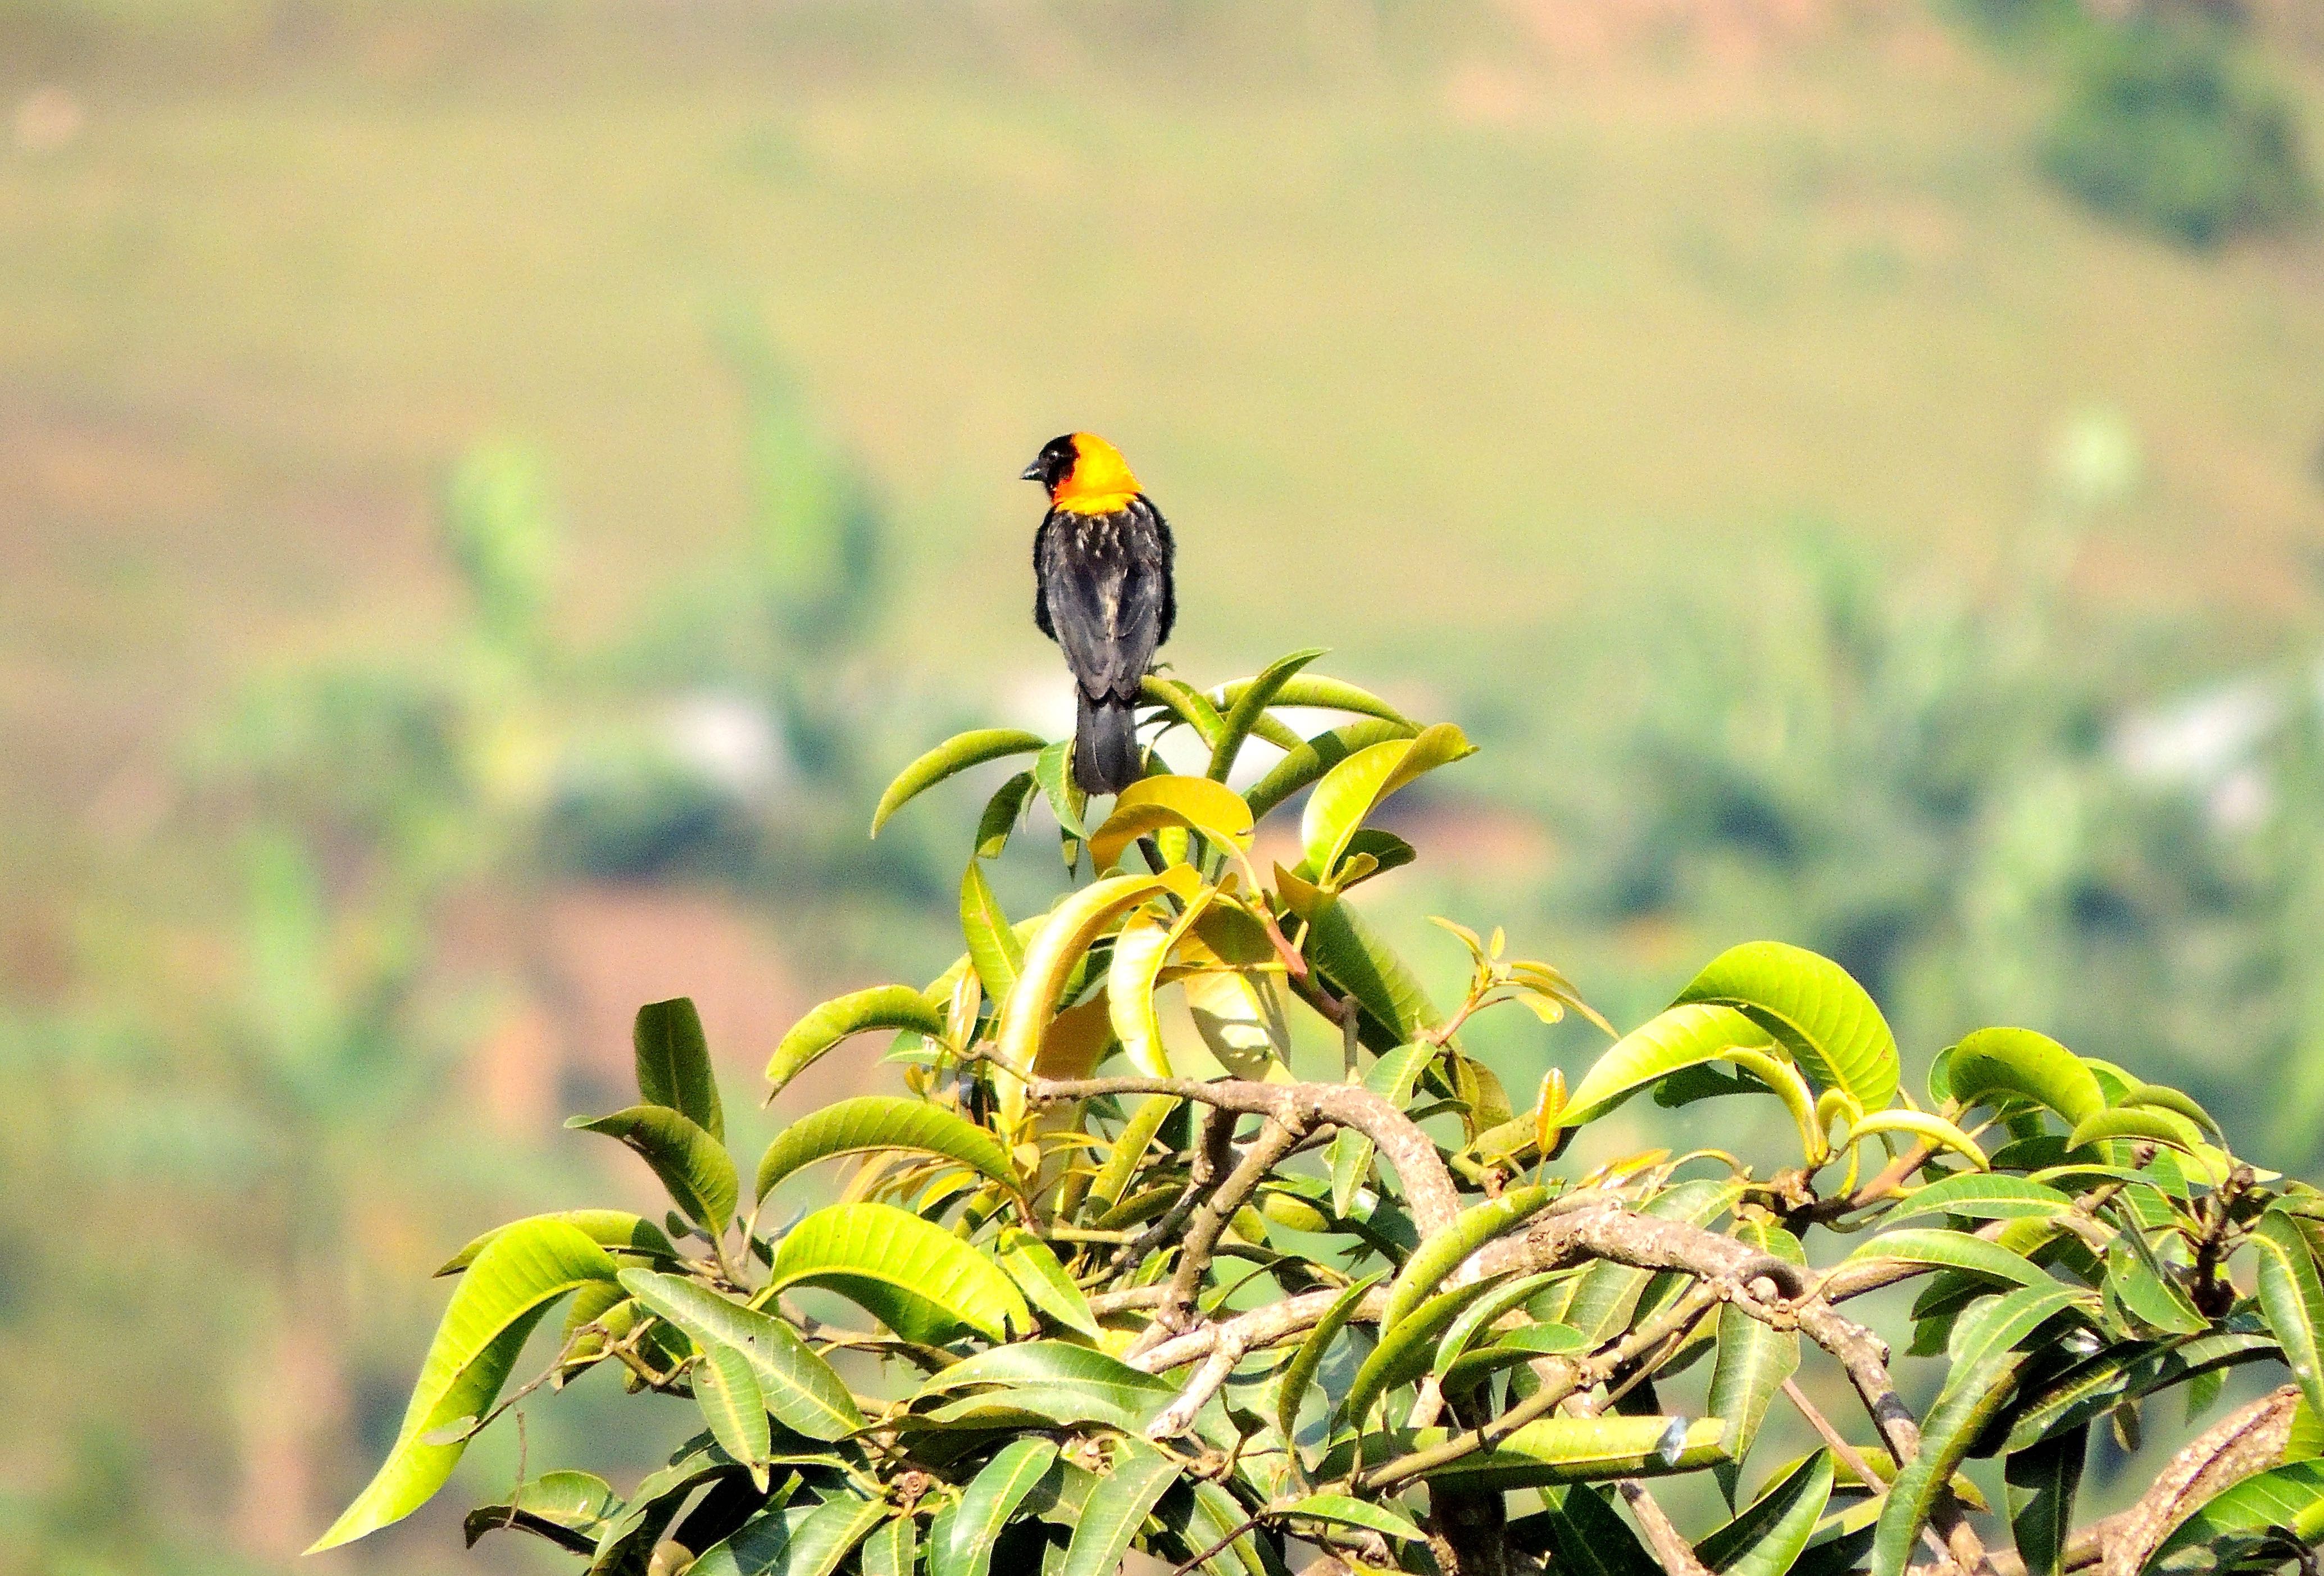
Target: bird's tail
x=1106 y=758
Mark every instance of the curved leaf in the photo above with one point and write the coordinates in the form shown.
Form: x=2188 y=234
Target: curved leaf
x=1057 y=1366
x=2000 y=1064
x=1003 y=812
x=994 y=950
x=955 y=755
x=889 y=1551
x=1479 y=1318
x=693 y=1167
x=727 y=1391
x=1316 y=692
x=1291 y=1387
x=810 y=1540
x=1352 y=790
x=1032 y=1000
x=1340 y=1510
x=1139 y=952
x=799 y=1386
x=1117 y=1509
x=1029 y=1262
x=1767 y=1537
x=1195 y=803
x=1183 y=701
x=1974 y=1394
x=1752 y=1360
x=1392 y=1078
x=1815 y=1007
x=1404 y=1347
x=1247 y=703
x=988 y=1502
x=497 y=1302
x=913 y=1276
x=882 y=1006
x=1129 y=1148
x=1579 y=1449
x=1053 y=770
x=673 y=1064
x=2289 y=1498
x=1983 y=1196
x=1935 y=1129
x=1677 y=1037
x=1583 y=1535
x=2164 y=1097
x=1309 y=761
x=615 y=1231
x=568 y=1508
x=1355 y=962
x=882 y=1121
x=2152 y=1123
x=2041 y=1482
x=1441 y=1254
x=1951 y=1250
x=2292 y=1295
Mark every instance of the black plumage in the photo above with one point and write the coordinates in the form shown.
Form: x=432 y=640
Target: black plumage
x=1104 y=592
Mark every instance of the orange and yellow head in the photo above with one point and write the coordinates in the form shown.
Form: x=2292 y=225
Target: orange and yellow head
x=1084 y=473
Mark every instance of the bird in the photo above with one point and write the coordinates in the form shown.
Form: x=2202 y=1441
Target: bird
x=1102 y=591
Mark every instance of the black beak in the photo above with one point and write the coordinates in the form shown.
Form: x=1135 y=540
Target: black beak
x=1032 y=473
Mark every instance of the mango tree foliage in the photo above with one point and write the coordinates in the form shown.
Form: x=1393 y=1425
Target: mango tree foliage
x=1116 y=1283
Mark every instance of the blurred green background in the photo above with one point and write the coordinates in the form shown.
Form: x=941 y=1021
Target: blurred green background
x=489 y=489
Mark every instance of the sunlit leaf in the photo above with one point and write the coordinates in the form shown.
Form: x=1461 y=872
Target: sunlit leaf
x=1767 y=1536
x=882 y=1006
x=955 y=755
x=1443 y=1252
x=1299 y=1373
x=913 y=1276
x=693 y=1167
x=1339 y=1510
x=2292 y=1295
x=1752 y=1359
x=872 y=1122
x=1044 y=1281
x=1352 y=790
x=2005 y=1064
x=1309 y=761
x=1116 y=1511
x=1983 y=1196
x=673 y=1064
x=2042 y=1481
x=615 y=1231
x=1816 y=1008
x=493 y=1308
x=727 y=1391
x=1246 y=703
x=2289 y=1498
x=794 y=1541
x=799 y=1385
x=988 y=1502
x=1195 y=803
x=1951 y=1250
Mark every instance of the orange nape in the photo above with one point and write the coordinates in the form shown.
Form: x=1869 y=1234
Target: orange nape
x=1099 y=481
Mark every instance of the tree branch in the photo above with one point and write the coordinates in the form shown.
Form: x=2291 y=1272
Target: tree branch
x=1209 y=1222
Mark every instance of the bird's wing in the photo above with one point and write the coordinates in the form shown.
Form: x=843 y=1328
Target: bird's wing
x=1104 y=587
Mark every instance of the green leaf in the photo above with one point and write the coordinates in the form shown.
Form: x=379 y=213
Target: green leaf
x=1183 y=701
x=1352 y=790
x=1053 y=770
x=993 y=949
x=991 y=1498
x=1355 y=962
x=911 y=1275
x=1072 y=928
x=568 y=1508
x=1291 y=1388
x=1339 y=1510
x=794 y=1541
x=1678 y=1038
x=1815 y=1007
x=727 y=1391
x=1392 y=1078
x=2292 y=1297
x=2165 y=1098
x=2127 y=1372
x=882 y=1006
x=1766 y=1538
x=1477 y=1319
x=882 y=1121
x=508 y=1288
x=955 y=755
x=1974 y=1396
x=1145 y=806
x=1310 y=761
x=1002 y=811
x=2042 y=1481
x=1318 y=693
x=1405 y=1345
x=1951 y=1250
x=673 y=1061
x=2289 y=1498
x=2139 y=1285
x=1998 y=1064
x=1984 y=1196
x=2148 y=1122
x=799 y=1385
x=1578 y=1450
x=1439 y=1255
x=1044 y=1281
x=1247 y=703
x=889 y=1551
x=1587 y=1538
x=615 y=1231
x=693 y=1167
x=1752 y=1360
x=1116 y=1510
x=1058 y=1366
x=1129 y=1148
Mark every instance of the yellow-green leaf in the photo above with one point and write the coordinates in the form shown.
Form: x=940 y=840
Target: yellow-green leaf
x=887 y=1006
x=956 y=754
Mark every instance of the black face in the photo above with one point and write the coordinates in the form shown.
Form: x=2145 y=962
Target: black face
x=1055 y=464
